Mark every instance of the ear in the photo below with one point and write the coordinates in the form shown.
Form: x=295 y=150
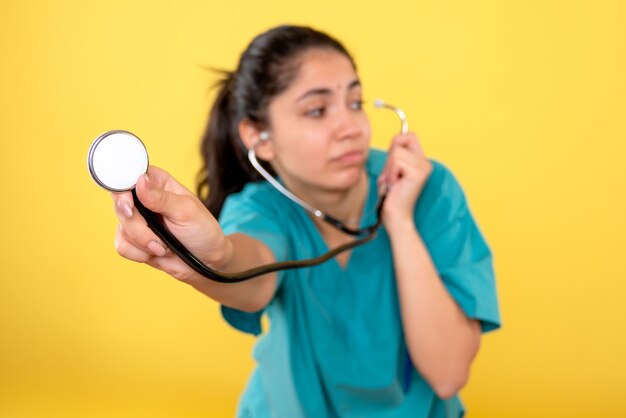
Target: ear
x=250 y=133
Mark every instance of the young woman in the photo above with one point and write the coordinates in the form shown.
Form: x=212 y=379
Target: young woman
x=388 y=329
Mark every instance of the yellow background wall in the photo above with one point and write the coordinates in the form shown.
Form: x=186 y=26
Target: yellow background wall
x=523 y=100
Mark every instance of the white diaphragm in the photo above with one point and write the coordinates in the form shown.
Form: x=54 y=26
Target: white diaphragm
x=116 y=160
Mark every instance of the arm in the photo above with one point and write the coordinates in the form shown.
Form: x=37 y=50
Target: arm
x=243 y=252
x=441 y=340
x=188 y=219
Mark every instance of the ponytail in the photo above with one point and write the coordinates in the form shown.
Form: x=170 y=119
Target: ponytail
x=225 y=165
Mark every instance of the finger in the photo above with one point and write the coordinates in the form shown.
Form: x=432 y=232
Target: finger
x=396 y=173
x=384 y=174
x=173 y=266
x=412 y=172
x=134 y=228
x=408 y=141
x=164 y=180
x=123 y=204
x=129 y=251
x=382 y=177
x=138 y=234
x=394 y=158
x=123 y=210
x=403 y=164
x=162 y=194
x=398 y=143
x=411 y=165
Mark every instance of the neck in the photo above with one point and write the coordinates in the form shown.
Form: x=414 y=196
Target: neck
x=346 y=205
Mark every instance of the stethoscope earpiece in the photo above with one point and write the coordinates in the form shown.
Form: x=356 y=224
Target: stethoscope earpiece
x=264 y=136
x=380 y=104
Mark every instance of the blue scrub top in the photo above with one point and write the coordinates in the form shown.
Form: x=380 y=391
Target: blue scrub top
x=335 y=345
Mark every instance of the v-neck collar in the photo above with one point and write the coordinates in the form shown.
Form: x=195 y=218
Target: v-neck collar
x=368 y=217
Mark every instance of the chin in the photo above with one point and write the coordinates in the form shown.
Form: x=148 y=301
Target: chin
x=348 y=177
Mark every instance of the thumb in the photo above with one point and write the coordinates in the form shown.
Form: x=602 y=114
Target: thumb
x=152 y=193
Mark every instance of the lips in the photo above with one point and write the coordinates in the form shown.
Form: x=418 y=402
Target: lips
x=350 y=157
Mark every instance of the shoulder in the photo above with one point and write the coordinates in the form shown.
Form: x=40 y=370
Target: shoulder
x=443 y=179
x=442 y=199
x=254 y=211
x=258 y=197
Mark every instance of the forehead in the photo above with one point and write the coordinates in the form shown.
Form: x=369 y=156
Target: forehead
x=322 y=68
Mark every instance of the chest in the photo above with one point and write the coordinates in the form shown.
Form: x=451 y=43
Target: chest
x=333 y=238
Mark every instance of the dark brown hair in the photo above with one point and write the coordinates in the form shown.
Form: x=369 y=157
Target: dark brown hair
x=266 y=68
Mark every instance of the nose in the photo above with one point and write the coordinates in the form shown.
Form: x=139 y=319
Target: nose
x=349 y=123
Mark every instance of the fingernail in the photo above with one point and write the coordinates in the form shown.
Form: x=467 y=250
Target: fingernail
x=148 y=183
x=156 y=248
x=125 y=208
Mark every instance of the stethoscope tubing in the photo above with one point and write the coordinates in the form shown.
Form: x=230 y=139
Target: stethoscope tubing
x=155 y=223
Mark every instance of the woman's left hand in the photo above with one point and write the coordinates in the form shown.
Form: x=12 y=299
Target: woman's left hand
x=406 y=171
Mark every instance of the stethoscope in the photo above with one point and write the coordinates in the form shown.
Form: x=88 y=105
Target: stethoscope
x=117 y=159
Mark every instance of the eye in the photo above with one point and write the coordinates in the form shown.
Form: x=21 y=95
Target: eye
x=356 y=105
x=318 y=112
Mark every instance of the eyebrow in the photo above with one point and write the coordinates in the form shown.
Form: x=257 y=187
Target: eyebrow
x=326 y=91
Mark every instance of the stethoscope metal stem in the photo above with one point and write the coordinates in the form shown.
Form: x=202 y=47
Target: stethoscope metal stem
x=378 y=103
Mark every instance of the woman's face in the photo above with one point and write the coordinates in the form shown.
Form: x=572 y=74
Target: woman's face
x=319 y=133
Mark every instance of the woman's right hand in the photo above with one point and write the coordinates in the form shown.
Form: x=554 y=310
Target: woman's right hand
x=183 y=214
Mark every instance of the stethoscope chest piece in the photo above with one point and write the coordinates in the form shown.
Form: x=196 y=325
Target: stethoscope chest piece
x=116 y=160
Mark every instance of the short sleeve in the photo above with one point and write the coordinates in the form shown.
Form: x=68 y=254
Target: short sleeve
x=242 y=213
x=460 y=252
